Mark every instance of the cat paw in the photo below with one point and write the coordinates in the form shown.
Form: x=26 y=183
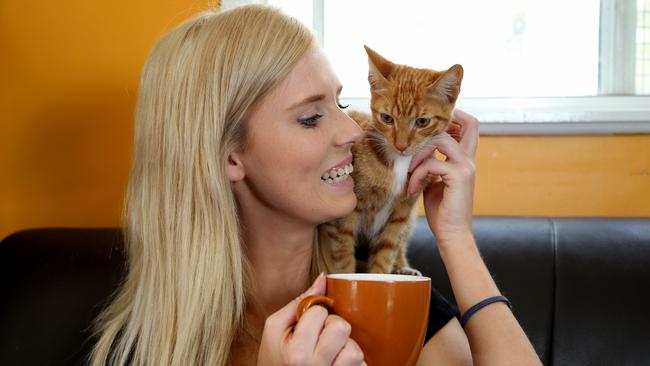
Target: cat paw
x=408 y=271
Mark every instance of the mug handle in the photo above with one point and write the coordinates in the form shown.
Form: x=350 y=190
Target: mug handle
x=313 y=300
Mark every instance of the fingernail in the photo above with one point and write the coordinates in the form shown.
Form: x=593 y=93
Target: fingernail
x=318 y=279
x=315 y=283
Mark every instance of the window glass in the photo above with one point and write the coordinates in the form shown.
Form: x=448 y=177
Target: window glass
x=507 y=48
x=642 y=76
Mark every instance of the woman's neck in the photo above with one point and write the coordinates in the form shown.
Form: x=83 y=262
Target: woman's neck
x=281 y=261
x=279 y=249
x=280 y=256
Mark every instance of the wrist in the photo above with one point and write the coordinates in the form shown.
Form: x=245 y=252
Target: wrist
x=456 y=240
x=469 y=276
x=480 y=305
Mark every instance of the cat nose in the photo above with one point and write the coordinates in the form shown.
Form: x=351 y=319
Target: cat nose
x=401 y=147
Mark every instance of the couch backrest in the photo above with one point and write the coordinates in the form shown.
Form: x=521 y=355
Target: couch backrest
x=579 y=286
x=53 y=283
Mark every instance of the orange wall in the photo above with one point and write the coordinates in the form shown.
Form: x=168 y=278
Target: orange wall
x=68 y=81
x=564 y=176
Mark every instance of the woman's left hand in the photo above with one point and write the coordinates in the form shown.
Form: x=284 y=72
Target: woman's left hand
x=448 y=200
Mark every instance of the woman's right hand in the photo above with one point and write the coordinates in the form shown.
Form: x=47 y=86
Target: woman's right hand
x=316 y=339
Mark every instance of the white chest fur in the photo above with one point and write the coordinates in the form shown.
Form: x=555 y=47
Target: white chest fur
x=400 y=170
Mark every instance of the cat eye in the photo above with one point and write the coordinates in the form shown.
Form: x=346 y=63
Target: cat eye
x=422 y=122
x=386 y=118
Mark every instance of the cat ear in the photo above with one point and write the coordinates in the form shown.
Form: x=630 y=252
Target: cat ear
x=378 y=69
x=448 y=85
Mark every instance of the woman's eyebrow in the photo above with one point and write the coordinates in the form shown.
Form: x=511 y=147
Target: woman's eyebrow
x=310 y=99
x=314 y=98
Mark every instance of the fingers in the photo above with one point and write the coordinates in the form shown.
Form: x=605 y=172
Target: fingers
x=455 y=130
x=458 y=162
x=463 y=130
x=451 y=149
x=420 y=156
x=277 y=336
x=309 y=327
x=350 y=355
x=429 y=167
x=285 y=318
x=317 y=288
x=333 y=338
x=469 y=131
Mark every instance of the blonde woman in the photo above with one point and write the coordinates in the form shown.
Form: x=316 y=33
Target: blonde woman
x=237 y=119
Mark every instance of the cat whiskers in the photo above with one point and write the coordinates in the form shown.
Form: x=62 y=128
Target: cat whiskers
x=378 y=137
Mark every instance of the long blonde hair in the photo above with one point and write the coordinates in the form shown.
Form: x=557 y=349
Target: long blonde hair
x=188 y=281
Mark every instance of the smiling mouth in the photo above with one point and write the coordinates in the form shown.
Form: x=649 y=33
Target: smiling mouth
x=338 y=175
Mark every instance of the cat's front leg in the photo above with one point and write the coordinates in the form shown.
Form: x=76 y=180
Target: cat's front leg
x=388 y=248
x=401 y=263
x=339 y=235
x=382 y=256
x=385 y=247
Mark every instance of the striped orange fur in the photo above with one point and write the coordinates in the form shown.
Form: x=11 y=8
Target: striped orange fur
x=408 y=106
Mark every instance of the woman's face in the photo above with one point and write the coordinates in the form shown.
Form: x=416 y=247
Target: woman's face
x=296 y=134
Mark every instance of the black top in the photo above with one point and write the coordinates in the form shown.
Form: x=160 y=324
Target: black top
x=440 y=313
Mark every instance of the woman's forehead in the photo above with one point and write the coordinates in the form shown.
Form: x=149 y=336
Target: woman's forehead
x=312 y=75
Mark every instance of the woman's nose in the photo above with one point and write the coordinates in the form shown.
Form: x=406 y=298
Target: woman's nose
x=348 y=131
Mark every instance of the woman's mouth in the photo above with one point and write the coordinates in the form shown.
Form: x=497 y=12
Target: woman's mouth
x=338 y=175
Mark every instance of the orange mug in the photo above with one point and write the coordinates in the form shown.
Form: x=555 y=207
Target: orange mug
x=388 y=313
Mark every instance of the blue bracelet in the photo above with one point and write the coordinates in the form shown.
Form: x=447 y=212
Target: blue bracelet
x=481 y=305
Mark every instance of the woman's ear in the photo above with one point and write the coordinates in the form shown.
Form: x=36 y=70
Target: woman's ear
x=235 y=167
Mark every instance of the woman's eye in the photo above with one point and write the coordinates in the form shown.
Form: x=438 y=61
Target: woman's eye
x=310 y=121
x=422 y=122
x=342 y=106
x=386 y=118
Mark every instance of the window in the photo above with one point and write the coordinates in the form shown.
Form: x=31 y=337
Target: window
x=564 y=66
x=507 y=48
x=642 y=76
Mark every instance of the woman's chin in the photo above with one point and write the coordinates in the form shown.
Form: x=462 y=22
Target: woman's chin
x=345 y=208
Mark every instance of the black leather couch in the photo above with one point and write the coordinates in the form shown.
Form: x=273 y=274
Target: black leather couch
x=580 y=286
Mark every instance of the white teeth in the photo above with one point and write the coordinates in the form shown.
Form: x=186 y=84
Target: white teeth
x=341 y=179
x=338 y=173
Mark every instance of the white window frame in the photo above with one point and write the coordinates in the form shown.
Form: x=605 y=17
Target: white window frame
x=596 y=115
x=618 y=111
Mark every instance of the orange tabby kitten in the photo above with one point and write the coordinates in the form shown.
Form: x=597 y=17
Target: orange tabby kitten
x=409 y=106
